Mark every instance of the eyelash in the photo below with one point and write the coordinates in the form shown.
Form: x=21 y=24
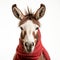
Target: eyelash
x=21 y=28
x=37 y=28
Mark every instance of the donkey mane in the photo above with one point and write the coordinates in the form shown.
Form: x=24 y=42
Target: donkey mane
x=29 y=14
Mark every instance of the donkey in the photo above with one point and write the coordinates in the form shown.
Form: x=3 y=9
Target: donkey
x=30 y=46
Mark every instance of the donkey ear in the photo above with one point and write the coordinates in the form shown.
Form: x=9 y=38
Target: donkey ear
x=40 y=12
x=17 y=13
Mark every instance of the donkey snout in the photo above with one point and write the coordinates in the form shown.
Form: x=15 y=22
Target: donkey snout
x=29 y=46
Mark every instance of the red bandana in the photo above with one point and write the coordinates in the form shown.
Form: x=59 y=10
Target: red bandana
x=22 y=55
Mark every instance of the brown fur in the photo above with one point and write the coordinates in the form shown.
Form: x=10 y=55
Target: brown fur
x=29 y=17
x=23 y=33
x=41 y=57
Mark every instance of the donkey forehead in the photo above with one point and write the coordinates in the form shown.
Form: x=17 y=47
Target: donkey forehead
x=29 y=25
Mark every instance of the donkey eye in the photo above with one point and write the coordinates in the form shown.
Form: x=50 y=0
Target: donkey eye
x=21 y=28
x=37 y=28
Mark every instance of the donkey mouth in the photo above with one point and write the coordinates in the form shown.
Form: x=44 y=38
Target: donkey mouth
x=29 y=49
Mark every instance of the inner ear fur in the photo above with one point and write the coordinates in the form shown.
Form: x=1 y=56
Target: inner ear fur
x=40 y=12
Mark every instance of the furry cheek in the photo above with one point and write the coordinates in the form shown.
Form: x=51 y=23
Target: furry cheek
x=35 y=36
x=23 y=34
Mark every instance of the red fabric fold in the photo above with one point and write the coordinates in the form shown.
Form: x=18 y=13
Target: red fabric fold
x=22 y=55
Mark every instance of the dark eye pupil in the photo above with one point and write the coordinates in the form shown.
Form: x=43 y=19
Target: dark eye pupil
x=21 y=28
x=37 y=28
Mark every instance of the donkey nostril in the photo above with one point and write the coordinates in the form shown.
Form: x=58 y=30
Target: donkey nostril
x=26 y=44
x=29 y=45
x=32 y=44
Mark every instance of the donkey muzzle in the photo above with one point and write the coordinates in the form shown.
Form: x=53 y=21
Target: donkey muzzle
x=29 y=46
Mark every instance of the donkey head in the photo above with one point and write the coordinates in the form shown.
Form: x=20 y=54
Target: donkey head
x=29 y=25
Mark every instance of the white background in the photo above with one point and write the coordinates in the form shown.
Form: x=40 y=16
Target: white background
x=10 y=32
